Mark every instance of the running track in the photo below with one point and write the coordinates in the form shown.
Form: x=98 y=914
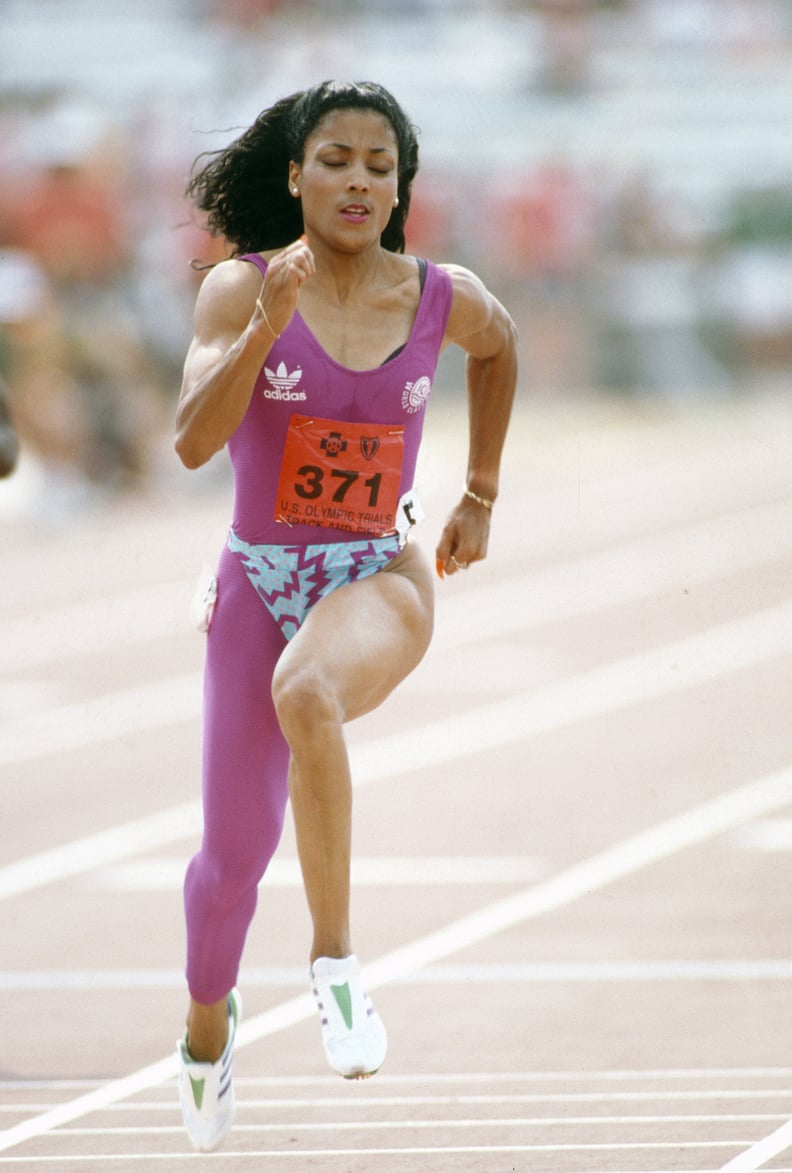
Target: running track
x=573 y=828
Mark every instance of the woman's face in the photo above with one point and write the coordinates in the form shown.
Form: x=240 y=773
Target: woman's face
x=348 y=178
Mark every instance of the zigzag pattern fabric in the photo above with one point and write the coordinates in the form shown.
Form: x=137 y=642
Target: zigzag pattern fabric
x=291 y=579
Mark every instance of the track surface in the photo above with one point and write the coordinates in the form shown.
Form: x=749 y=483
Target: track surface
x=573 y=828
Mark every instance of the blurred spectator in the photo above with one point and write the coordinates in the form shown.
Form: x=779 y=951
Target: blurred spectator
x=751 y=295
x=85 y=395
x=543 y=236
x=649 y=295
x=566 y=53
x=49 y=410
x=9 y=444
x=545 y=222
x=732 y=25
x=71 y=220
x=671 y=104
x=244 y=15
x=431 y=227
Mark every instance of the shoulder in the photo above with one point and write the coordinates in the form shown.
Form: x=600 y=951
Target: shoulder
x=477 y=321
x=227 y=294
x=402 y=269
x=472 y=305
x=229 y=277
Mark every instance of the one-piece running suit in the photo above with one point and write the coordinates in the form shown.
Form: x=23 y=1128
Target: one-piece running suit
x=273 y=569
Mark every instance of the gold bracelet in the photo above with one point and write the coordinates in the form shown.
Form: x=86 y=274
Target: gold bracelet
x=259 y=306
x=480 y=500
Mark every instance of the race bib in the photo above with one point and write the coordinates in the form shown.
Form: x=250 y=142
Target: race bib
x=341 y=475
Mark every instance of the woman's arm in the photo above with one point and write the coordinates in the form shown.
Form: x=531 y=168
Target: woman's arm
x=237 y=319
x=480 y=325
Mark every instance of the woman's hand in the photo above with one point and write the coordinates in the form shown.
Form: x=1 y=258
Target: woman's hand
x=280 y=289
x=234 y=332
x=465 y=537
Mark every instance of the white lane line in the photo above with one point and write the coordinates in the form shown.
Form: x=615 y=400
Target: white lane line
x=647 y=567
x=95 y=625
x=105 y=847
x=740 y=970
x=645 y=676
x=705 y=656
x=694 y=827
x=165 y=875
x=106 y=718
x=728 y=647
x=280 y=1154
x=767 y=835
x=421 y=1125
x=688 y=555
x=562 y=1099
x=454 y=1078
x=763 y=1151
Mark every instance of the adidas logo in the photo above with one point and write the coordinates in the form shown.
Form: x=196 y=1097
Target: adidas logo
x=282 y=381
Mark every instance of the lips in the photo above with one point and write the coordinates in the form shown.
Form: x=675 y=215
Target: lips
x=355 y=212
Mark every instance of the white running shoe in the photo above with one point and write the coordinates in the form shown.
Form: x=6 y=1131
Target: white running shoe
x=205 y=1089
x=354 y=1037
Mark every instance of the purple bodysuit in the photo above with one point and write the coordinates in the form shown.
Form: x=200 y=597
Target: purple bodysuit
x=288 y=569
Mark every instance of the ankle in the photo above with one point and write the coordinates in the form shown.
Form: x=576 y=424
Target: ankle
x=207 y=1031
x=335 y=948
x=205 y=1051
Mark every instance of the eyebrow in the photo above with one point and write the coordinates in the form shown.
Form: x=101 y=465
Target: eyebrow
x=371 y=150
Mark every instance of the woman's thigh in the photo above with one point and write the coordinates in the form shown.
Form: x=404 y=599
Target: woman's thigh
x=359 y=642
x=245 y=757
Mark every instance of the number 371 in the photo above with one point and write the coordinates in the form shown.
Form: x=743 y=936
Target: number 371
x=313 y=484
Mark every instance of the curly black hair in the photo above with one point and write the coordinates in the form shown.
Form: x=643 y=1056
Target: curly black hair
x=244 y=187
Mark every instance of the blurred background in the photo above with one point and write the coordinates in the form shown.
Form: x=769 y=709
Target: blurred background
x=618 y=171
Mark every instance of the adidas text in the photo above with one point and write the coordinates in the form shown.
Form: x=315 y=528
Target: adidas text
x=284 y=396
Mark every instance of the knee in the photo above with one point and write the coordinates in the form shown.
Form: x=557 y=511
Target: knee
x=235 y=854
x=219 y=886
x=305 y=701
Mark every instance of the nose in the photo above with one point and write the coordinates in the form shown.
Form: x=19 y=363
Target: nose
x=357 y=177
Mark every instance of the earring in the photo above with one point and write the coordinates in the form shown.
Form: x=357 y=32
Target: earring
x=295 y=191
x=396 y=202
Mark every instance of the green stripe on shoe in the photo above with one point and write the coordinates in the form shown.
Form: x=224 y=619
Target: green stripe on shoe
x=344 y=1000
x=198 y=1091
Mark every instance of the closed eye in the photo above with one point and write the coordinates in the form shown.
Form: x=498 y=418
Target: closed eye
x=342 y=163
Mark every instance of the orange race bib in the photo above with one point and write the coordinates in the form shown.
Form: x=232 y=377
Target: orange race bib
x=340 y=475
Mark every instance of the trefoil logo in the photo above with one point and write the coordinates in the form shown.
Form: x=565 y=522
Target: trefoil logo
x=282 y=382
